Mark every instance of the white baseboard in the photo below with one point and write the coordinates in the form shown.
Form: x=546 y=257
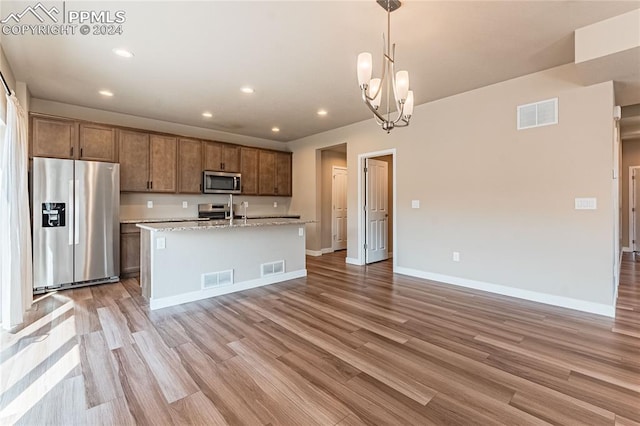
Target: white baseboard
x=534 y=296
x=313 y=252
x=232 y=288
x=327 y=250
x=626 y=250
x=353 y=261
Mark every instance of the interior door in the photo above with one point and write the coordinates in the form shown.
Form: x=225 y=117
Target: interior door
x=376 y=210
x=339 y=205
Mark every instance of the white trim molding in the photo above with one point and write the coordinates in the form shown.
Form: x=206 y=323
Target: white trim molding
x=353 y=261
x=626 y=250
x=165 y=302
x=534 y=296
x=313 y=252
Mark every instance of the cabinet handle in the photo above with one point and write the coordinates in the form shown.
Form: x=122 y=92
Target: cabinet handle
x=72 y=151
x=147 y=184
x=81 y=150
x=222 y=166
x=151 y=185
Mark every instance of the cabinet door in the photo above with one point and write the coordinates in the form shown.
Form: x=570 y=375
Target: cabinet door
x=212 y=156
x=129 y=250
x=283 y=173
x=134 y=161
x=53 y=138
x=230 y=158
x=249 y=170
x=97 y=143
x=266 y=173
x=163 y=156
x=189 y=166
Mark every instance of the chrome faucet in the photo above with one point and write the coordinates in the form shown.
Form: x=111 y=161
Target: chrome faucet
x=244 y=215
x=231 y=207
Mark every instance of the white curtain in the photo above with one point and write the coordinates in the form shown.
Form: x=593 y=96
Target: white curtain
x=15 y=227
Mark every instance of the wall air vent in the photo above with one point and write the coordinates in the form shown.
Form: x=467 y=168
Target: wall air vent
x=272 y=268
x=217 y=279
x=538 y=114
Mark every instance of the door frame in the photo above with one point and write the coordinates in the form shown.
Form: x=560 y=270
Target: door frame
x=632 y=223
x=333 y=194
x=361 y=196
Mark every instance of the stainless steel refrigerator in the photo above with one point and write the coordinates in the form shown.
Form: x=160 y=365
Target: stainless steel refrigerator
x=76 y=235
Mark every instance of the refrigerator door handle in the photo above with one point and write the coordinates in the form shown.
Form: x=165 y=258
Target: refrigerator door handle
x=70 y=204
x=76 y=215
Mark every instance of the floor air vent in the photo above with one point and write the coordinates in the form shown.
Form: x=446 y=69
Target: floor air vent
x=543 y=113
x=272 y=268
x=217 y=279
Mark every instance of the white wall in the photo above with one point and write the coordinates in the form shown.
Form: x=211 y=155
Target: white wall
x=503 y=198
x=117 y=119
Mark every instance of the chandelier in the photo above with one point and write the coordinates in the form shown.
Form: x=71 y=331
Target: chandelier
x=392 y=81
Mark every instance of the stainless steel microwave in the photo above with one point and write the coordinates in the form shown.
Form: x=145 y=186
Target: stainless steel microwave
x=221 y=182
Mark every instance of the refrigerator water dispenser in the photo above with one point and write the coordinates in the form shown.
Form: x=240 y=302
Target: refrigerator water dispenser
x=53 y=215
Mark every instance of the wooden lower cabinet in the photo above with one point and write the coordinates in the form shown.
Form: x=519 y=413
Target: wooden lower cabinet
x=129 y=250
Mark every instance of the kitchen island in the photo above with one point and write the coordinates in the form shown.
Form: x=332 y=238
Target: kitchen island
x=188 y=261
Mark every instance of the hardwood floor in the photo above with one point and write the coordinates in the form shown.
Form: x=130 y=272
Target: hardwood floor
x=347 y=345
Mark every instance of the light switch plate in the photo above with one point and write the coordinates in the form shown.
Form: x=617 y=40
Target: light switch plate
x=161 y=243
x=586 y=203
x=275 y=204
x=149 y=204
x=456 y=256
x=415 y=204
x=301 y=232
x=185 y=205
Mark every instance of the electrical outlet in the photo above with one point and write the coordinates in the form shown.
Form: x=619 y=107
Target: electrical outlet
x=301 y=232
x=456 y=256
x=275 y=204
x=161 y=243
x=415 y=204
x=245 y=204
x=185 y=205
x=149 y=204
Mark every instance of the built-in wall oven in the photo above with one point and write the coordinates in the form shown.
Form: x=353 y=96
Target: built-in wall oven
x=221 y=182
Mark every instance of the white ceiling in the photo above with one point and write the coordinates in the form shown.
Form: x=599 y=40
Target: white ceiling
x=298 y=55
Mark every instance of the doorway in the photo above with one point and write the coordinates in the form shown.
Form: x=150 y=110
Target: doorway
x=376 y=201
x=339 y=208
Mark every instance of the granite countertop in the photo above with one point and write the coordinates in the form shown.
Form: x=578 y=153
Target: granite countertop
x=170 y=219
x=269 y=216
x=217 y=224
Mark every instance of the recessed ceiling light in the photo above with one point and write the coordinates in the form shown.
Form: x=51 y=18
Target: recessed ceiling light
x=247 y=89
x=322 y=112
x=122 y=52
x=275 y=129
x=106 y=93
x=207 y=114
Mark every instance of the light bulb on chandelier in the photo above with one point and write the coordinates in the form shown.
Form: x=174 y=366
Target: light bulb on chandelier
x=397 y=82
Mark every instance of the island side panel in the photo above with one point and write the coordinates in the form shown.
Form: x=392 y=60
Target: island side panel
x=177 y=269
x=146 y=238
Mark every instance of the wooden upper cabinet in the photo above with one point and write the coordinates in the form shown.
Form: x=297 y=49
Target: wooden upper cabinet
x=274 y=173
x=97 y=143
x=230 y=158
x=221 y=157
x=266 y=172
x=189 y=166
x=249 y=170
x=134 y=161
x=283 y=173
x=53 y=137
x=163 y=156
